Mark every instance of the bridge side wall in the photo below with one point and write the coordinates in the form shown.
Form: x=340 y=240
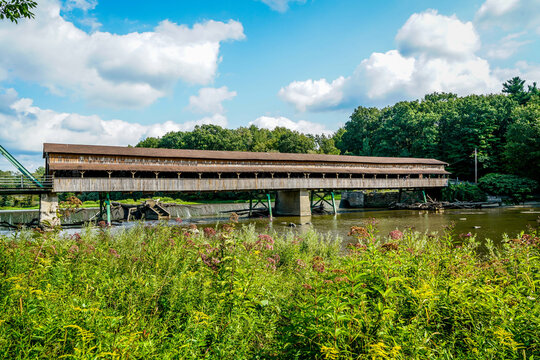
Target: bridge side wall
x=196 y=185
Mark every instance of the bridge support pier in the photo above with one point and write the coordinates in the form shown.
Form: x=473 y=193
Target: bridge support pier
x=48 y=206
x=293 y=203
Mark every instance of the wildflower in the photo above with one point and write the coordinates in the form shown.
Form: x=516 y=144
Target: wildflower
x=114 y=253
x=328 y=282
x=390 y=246
x=396 y=235
x=339 y=271
x=358 y=232
x=265 y=241
x=318 y=266
x=341 y=279
x=300 y=263
x=227 y=228
x=271 y=263
x=74 y=249
x=329 y=352
x=172 y=243
x=234 y=217
x=357 y=247
x=76 y=237
x=209 y=232
x=307 y=286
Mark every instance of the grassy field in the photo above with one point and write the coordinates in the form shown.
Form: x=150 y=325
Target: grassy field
x=178 y=292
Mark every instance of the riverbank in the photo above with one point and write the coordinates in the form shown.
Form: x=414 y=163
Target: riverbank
x=229 y=292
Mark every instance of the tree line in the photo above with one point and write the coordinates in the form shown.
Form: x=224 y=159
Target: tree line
x=503 y=128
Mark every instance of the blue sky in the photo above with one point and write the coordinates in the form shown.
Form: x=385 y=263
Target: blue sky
x=114 y=72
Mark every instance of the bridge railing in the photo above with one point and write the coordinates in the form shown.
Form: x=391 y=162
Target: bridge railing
x=20 y=182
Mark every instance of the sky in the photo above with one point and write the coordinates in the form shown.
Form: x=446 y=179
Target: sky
x=116 y=72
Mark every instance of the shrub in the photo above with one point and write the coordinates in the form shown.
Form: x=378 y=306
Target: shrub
x=515 y=187
x=170 y=292
x=463 y=192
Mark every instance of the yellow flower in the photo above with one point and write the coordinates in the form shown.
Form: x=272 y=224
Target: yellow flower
x=329 y=352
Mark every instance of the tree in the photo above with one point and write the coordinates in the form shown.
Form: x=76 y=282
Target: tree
x=522 y=149
x=515 y=88
x=294 y=142
x=361 y=132
x=16 y=9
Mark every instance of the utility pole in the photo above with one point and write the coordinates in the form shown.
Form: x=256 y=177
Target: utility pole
x=475 y=166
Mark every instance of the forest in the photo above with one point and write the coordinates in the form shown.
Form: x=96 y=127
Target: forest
x=504 y=128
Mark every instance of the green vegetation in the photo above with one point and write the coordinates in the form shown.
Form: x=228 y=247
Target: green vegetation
x=463 y=192
x=515 y=187
x=213 y=137
x=15 y=10
x=505 y=128
x=159 y=292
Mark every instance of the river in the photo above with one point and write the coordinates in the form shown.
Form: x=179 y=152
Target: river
x=484 y=223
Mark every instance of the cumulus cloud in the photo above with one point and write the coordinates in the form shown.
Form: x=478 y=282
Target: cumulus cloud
x=435 y=53
x=24 y=127
x=130 y=70
x=209 y=100
x=431 y=34
x=313 y=94
x=303 y=126
x=280 y=5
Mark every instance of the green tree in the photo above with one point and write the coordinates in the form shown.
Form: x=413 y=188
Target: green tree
x=16 y=9
x=522 y=149
x=295 y=142
x=149 y=142
x=515 y=88
x=361 y=132
x=326 y=145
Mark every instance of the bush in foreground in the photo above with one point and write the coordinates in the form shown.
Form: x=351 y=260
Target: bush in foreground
x=229 y=293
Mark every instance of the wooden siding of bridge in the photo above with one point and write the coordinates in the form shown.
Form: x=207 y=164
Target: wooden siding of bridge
x=251 y=184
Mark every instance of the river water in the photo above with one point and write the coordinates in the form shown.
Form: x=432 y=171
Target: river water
x=484 y=223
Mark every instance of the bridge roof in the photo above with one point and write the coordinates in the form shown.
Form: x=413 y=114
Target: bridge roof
x=226 y=155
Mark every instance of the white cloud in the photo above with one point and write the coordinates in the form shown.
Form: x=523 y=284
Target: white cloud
x=523 y=69
x=496 y=7
x=507 y=46
x=313 y=94
x=306 y=127
x=431 y=34
x=509 y=14
x=130 y=70
x=209 y=100
x=25 y=127
x=435 y=53
x=280 y=5
x=84 y=5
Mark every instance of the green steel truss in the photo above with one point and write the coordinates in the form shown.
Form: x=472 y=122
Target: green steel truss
x=19 y=167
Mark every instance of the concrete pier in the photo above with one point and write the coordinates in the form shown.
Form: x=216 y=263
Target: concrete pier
x=293 y=203
x=48 y=206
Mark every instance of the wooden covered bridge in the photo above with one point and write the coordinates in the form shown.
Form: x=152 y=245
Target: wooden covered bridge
x=104 y=169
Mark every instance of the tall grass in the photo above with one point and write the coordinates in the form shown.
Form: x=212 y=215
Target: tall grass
x=174 y=292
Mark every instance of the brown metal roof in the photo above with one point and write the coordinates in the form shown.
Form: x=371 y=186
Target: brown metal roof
x=226 y=155
x=241 y=169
